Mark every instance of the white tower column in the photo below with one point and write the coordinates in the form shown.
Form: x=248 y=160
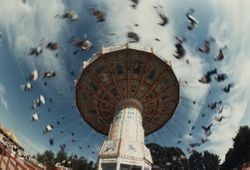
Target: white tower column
x=125 y=146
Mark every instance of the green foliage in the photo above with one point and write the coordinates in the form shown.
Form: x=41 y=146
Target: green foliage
x=206 y=161
x=48 y=158
x=196 y=161
x=211 y=161
x=167 y=158
x=62 y=157
x=172 y=158
x=240 y=153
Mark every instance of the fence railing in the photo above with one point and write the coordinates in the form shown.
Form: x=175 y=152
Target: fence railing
x=10 y=162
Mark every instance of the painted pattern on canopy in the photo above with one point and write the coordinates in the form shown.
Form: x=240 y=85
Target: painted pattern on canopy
x=119 y=73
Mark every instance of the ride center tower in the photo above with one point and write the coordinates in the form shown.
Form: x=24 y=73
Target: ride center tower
x=126 y=93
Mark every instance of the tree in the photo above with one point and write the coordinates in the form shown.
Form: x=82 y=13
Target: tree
x=211 y=161
x=171 y=158
x=240 y=153
x=167 y=157
x=206 y=161
x=61 y=157
x=81 y=163
x=47 y=158
x=196 y=161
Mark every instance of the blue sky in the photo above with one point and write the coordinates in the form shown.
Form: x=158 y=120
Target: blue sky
x=24 y=25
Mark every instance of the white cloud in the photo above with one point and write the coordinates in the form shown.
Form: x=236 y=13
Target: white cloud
x=121 y=20
x=26 y=24
x=230 y=26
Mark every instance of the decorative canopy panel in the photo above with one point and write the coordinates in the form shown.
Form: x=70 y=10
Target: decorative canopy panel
x=115 y=75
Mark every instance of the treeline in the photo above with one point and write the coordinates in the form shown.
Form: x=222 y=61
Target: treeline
x=240 y=152
x=168 y=158
x=49 y=159
x=172 y=158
